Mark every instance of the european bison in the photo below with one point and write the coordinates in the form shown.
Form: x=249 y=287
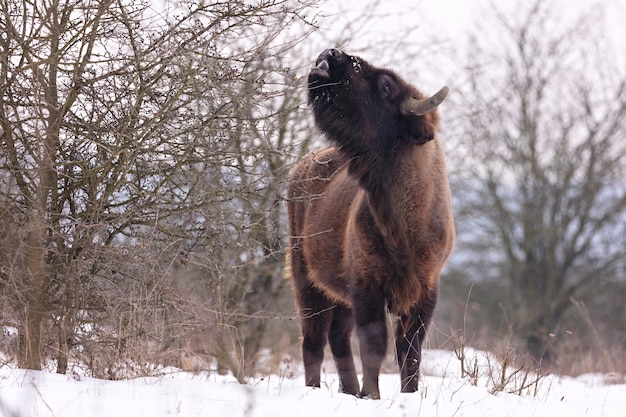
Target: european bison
x=370 y=221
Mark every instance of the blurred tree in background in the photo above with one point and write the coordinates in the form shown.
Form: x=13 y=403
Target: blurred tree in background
x=542 y=203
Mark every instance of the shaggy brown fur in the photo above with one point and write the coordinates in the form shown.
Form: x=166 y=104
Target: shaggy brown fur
x=370 y=221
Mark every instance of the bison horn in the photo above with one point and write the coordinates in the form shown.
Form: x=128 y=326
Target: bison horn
x=422 y=107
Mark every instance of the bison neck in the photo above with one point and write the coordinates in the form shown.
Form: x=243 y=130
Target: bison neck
x=399 y=189
x=406 y=199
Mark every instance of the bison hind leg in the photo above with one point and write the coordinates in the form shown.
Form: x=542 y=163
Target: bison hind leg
x=334 y=324
x=339 y=337
x=325 y=321
x=316 y=316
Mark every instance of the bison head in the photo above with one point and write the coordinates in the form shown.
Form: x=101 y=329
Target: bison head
x=363 y=108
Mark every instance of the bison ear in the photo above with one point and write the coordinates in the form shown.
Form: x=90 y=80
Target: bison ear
x=423 y=128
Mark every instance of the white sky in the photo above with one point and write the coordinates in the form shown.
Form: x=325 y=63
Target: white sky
x=446 y=22
x=452 y=17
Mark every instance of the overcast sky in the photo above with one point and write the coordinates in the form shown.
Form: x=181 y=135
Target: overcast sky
x=446 y=22
x=453 y=17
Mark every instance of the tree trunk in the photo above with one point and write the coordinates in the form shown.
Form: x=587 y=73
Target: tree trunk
x=34 y=292
x=30 y=338
x=33 y=312
x=64 y=350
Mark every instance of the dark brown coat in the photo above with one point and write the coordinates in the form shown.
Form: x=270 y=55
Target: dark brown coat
x=370 y=220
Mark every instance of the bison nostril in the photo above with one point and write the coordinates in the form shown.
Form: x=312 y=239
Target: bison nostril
x=323 y=65
x=330 y=53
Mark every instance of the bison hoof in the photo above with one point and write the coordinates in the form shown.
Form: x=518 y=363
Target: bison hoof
x=349 y=391
x=369 y=396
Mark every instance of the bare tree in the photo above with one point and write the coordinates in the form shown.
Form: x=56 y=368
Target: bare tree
x=127 y=135
x=253 y=302
x=544 y=207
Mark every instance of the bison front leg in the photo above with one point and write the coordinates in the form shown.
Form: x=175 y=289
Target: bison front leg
x=409 y=353
x=410 y=334
x=369 y=313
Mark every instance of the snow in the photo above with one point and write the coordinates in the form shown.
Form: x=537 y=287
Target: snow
x=443 y=392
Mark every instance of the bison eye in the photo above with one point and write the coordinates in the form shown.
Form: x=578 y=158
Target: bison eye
x=387 y=86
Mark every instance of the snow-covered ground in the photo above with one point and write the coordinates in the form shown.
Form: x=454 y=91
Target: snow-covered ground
x=442 y=393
